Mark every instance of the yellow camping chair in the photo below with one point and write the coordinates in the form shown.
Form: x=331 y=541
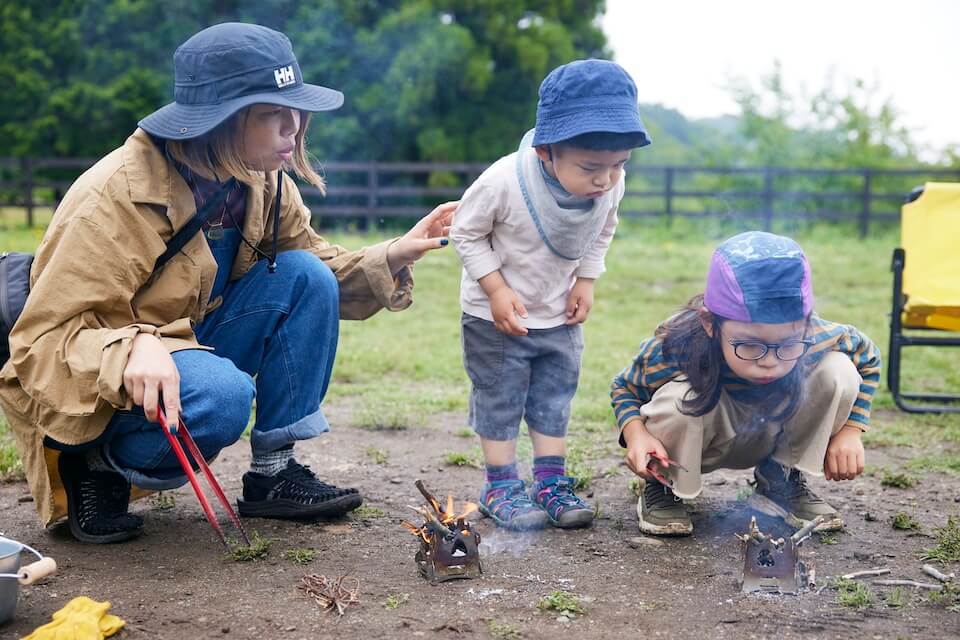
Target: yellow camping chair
x=926 y=288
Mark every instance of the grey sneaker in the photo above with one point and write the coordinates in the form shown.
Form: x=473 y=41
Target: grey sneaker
x=661 y=513
x=782 y=492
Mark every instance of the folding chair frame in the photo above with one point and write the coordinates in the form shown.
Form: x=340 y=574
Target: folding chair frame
x=913 y=402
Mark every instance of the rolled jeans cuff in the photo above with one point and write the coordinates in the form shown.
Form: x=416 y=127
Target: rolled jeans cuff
x=303 y=429
x=168 y=480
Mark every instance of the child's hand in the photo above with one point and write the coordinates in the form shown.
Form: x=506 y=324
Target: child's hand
x=505 y=306
x=580 y=301
x=640 y=443
x=844 y=459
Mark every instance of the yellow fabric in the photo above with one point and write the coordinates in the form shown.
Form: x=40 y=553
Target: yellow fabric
x=81 y=619
x=930 y=227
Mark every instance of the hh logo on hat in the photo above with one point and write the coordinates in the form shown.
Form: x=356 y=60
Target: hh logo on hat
x=284 y=76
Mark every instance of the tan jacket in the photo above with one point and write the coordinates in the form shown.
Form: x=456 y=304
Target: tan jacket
x=93 y=290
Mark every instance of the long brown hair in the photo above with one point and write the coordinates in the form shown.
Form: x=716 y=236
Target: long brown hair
x=700 y=357
x=219 y=151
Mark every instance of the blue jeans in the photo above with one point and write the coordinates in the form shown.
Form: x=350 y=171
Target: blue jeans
x=280 y=327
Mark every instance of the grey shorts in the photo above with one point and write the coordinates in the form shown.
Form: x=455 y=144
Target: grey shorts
x=531 y=377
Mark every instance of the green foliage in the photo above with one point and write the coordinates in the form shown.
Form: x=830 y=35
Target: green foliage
x=897 y=480
x=563 y=602
x=473 y=458
x=300 y=556
x=894 y=599
x=503 y=631
x=828 y=537
x=948 y=543
x=423 y=79
x=11 y=468
x=378 y=456
x=163 y=501
x=396 y=600
x=239 y=552
x=853 y=594
x=904 y=522
x=366 y=512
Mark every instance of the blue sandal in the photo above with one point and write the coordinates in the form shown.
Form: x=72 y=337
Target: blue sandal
x=508 y=504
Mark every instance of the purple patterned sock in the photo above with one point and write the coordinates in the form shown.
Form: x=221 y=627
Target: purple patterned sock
x=547 y=466
x=495 y=473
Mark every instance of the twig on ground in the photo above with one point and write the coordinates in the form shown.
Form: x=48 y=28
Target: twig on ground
x=868 y=572
x=932 y=571
x=331 y=594
x=909 y=583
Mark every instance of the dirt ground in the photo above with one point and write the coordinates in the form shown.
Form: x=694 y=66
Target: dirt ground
x=175 y=583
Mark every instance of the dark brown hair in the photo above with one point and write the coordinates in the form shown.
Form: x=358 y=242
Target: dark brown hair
x=700 y=357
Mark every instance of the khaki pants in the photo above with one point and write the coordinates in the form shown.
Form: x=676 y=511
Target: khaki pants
x=730 y=437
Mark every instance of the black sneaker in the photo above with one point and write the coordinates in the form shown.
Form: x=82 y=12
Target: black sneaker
x=661 y=513
x=294 y=494
x=782 y=492
x=97 y=502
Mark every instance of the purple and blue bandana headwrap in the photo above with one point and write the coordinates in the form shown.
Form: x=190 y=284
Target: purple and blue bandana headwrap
x=759 y=277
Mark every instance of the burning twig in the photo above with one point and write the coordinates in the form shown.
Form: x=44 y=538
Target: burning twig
x=932 y=571
x=909 y=583
x=449 y=548
x=868 y=572
x=331 y=594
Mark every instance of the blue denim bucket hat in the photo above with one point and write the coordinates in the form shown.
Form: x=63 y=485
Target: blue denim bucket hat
x=588 y=96
x=227 y=67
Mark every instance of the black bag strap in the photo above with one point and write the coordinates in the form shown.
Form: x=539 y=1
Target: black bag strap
x=190 y=229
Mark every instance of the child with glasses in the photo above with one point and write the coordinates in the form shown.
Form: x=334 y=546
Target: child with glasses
x=747 y=375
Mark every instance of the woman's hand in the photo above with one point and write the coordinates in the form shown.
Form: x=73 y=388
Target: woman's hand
x=640 y=443
x=150 y=371
x=429 y=233
x=579 y=301
x=844 y=459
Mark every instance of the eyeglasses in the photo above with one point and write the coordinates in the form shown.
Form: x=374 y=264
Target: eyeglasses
x=753 y=350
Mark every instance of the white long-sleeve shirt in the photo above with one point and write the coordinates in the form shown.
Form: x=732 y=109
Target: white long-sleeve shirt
x=493 y=230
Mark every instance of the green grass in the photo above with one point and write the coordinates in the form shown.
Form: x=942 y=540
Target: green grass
x=163 y=501
x=562 y=602
x=365 y=512
x=239 y=552
x=472 y=458
x=10 y=466
x=828 y=537
x=904 y=522
x=300 y=556
x=503 y=631
x=853 y=594
x=948 y=543
x=897 y=480
x=895 y=599
x=396 y=600
x=406 y=367
x=378 y=456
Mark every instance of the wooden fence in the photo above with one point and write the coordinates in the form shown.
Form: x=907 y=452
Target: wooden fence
x=370 y=193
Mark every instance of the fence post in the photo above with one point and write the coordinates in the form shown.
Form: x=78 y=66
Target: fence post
x=26 y=165
x=373 y=182
x=767 y=198
x=865 y=203
x=668 y=194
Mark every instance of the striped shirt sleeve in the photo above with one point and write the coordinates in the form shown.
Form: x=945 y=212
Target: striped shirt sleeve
x=847 y=339
x=636 y=384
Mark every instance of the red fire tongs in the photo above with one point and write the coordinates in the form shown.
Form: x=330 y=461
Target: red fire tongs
x=665 y=462
x=184 y=435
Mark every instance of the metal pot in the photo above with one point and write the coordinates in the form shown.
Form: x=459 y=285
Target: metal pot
x=12 y=575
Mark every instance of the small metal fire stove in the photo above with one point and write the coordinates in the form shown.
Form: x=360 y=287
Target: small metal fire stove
x=775 y=565
x=449 y=547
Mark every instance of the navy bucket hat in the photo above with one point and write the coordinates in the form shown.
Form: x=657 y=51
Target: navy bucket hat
x=227 y=67
x=588 y=96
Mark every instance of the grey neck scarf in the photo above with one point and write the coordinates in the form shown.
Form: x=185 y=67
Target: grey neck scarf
x=568 y=233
